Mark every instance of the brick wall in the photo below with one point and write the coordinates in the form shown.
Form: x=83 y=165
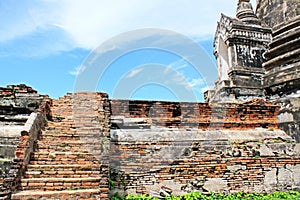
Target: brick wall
x=219 y=161
x=251 y=114
x=188 y=147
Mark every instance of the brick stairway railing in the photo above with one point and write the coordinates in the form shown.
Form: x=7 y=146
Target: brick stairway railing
x=28 y=138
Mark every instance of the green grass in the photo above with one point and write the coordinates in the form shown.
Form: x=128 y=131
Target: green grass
x=292 y=195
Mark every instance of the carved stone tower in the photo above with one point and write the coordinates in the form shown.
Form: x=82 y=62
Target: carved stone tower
x=238 y=47
x=282 y=65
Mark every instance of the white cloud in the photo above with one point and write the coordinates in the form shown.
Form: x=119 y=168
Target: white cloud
x=77 y=70
x=20 y=18
x=183 y=77
x=196 y=82
x=90 y=22
x=179 y=64
x=189 y=83
x=180 y=78
x=133 y=72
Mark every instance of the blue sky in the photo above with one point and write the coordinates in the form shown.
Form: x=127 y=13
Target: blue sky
x=47 y=43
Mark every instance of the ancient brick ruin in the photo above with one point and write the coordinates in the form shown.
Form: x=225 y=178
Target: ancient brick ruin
x=244 y=138
x=72 y=147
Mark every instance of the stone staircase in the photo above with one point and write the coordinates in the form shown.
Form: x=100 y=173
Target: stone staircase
x=67 y=161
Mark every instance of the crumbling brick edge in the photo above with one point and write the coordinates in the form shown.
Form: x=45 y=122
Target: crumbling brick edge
x=28 y=138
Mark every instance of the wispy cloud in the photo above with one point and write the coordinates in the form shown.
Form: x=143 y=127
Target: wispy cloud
x=77 y=70
x=196 y=82
x=89 y=23
x=133 y=72
x=31 y=16
x=180 y=78
x=188 y=83
x=45 y=41
x=178 y=65
x=184 y=76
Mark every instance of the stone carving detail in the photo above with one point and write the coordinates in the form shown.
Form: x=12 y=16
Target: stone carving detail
x=239 y=46
x=258 y=55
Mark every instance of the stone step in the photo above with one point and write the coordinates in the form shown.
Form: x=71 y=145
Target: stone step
x=61 y=136
x=52 y=128
x=51 y=184
x=61 y=174
x=62 y=171
x=75 y=149
x=62 y=167
x=63 y=156
x=65 y=146
x=70 y=136
x=78 y=121
x=80 y=125
x=65 y=125
x=64 y=162
x=83 y=194
x=69 y=145
x=70 y=141
x=83 y=149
